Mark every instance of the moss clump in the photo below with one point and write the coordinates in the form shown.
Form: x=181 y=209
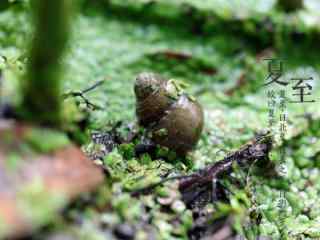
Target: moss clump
x=13 y=161
x=46 y=140
x=38 y=203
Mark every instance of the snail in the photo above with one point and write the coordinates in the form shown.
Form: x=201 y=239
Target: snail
x=174 y=119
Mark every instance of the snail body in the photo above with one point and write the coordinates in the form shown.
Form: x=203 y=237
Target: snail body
x=174 y=119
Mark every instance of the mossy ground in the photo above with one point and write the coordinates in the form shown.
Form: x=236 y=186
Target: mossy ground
x=115 y=41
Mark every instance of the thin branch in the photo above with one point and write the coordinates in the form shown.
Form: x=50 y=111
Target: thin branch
x=255 y=150
x=82 y=93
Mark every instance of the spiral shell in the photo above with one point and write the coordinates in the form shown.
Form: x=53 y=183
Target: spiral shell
x=174 y=119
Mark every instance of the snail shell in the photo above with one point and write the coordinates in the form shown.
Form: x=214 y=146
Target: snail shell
x=174 y=119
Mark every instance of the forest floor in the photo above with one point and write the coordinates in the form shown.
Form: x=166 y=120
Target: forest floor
x=220 y=53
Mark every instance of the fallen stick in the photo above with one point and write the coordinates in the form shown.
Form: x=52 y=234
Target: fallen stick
x=191 y=185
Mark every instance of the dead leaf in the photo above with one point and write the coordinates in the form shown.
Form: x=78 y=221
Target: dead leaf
x=65 y=172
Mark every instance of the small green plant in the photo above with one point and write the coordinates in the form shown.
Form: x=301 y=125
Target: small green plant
x=41 y=87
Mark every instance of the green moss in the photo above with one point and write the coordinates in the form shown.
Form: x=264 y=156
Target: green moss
x=161 y=132
x=13 y=161
x=4 y=228
x=127 y=150
x=39 y=204
x=145 y=159
x=131 y=37
x=46 y=140
x=126 y=207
